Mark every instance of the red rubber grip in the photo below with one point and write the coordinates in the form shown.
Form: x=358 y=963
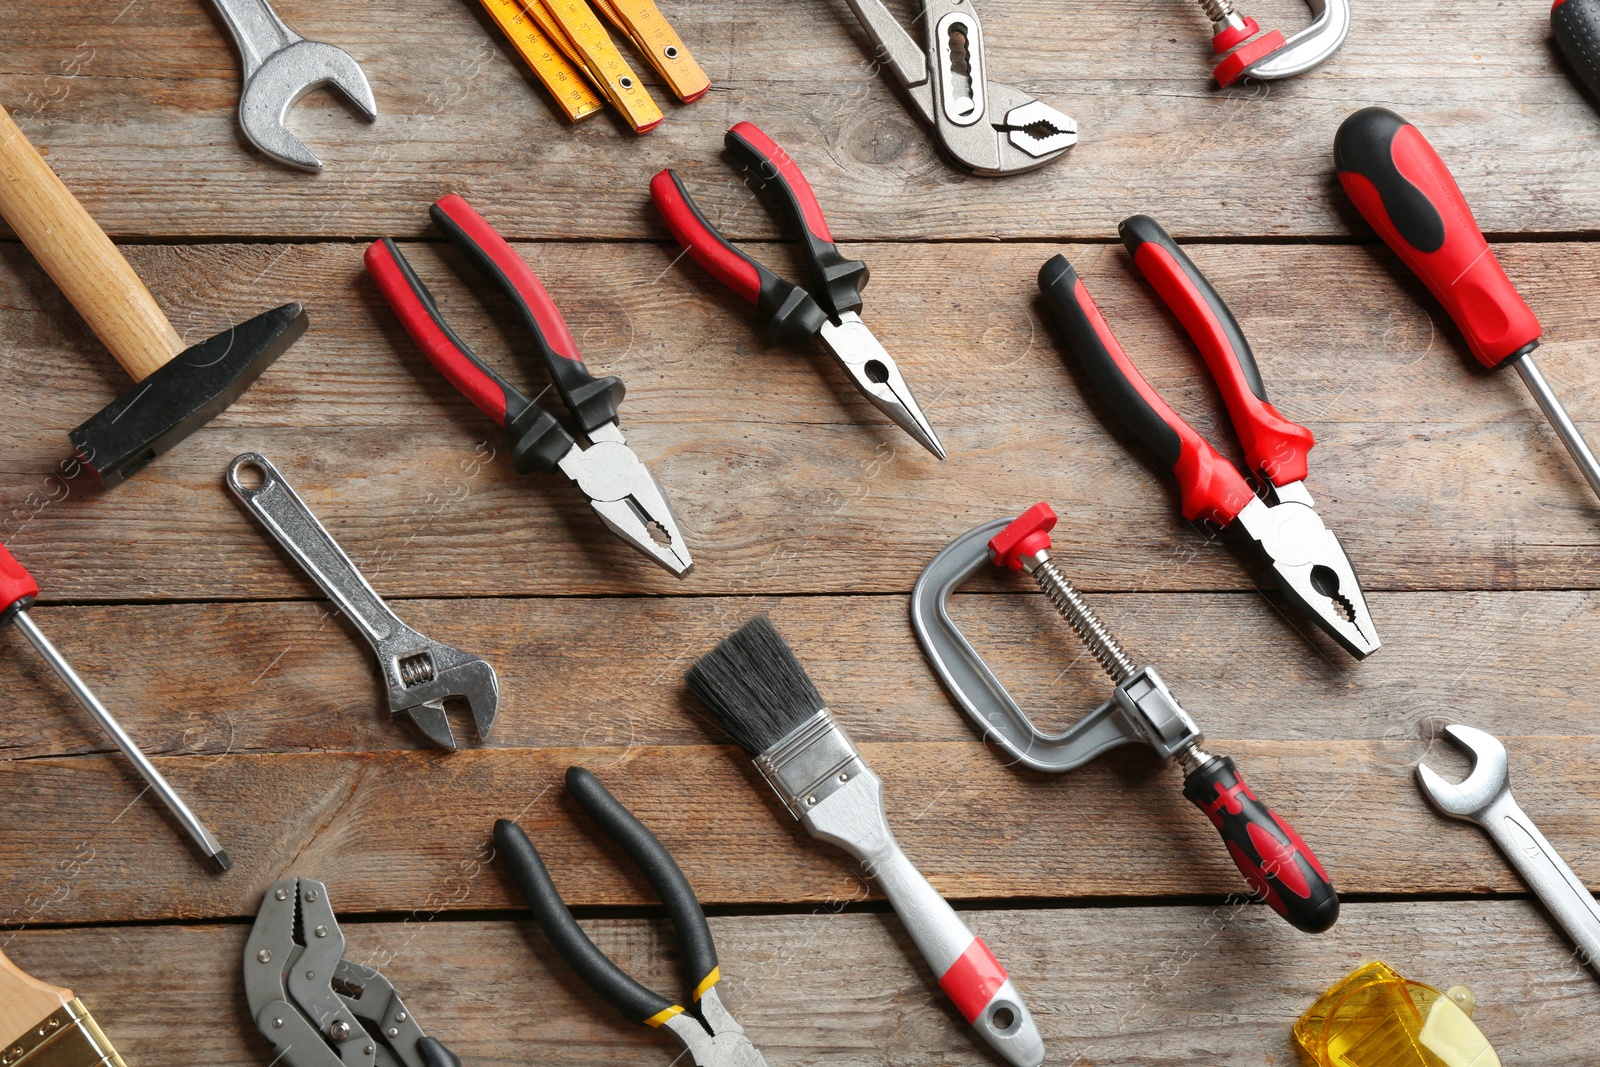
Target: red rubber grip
x=517 y=271
x=708 y=248
x=1404 y=190
x=973 y=980
x=15 y=581
x=1272 y=444
x=414 y=306
x=774 y=155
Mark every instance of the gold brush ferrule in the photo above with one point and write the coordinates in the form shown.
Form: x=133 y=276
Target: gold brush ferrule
x=812 y=761
x=67 y=1037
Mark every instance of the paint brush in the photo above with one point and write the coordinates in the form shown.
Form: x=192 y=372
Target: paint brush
x=764 y=699
x=45 y=1025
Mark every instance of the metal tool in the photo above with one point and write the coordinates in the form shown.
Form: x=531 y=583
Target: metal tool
x=419 y=673
x=179 y=388
x=47 y=1026
x=1405 y=192
x=708 y=1031
x=280 y=67
x=1576 y=26
x=1307 y=561
x=619 y=486
x=986 y=127
x=1279 y=866
x=18 y=590
x=316 y=1007
x=793 y=315
x=1272 y=56
x=1485 y=798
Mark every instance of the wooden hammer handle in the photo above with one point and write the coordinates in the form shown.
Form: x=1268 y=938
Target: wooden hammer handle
x=76 y=252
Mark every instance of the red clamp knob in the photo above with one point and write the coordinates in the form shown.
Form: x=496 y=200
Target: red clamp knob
x=1028 y=534
x=16 y=584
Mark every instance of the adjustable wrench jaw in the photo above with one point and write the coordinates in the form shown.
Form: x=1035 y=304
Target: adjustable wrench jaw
x=1471 y=799
x=421 y=674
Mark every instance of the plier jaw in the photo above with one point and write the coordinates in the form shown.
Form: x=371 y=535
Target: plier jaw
x=878 y=377
x=628 y=498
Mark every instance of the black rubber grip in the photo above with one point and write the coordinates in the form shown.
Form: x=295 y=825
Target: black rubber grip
x=1577 y=29
x=436 y=1055
x=551 y=913
x=663 y=872
x=1364 y=145
x=1279 y=866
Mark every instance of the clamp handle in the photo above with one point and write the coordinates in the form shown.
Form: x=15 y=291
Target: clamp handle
x=1406 y=193
x=791 y=315
x=1211 y=487
x=1274 y=447
x=836 y=282
x=17 y=587
x=1279 y=866
x=592 y=401
x=541 y=441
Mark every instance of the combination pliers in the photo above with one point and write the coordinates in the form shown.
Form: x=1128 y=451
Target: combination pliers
x=316 y=1007
x=1306 y=558
x=619 y=486
x=709 y=1033
x=828 y=308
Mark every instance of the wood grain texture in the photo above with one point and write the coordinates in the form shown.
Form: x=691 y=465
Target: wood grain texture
x=139 y=115
x=407 y=828
x=1136 y=986
x=780 y=474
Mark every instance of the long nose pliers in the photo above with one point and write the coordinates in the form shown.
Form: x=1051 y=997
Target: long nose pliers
x=619 y=486
x=709 y=1033
x=1307 y=560
x=828 y=308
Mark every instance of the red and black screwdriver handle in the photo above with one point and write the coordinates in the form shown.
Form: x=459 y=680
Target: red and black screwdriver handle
x=1279 y=866
x=1406 y=193
x=18 y=590
x=639 y=1003
x=1211 y=487
x=1577 y=30
x=789 y=314
x=1273 y=446
x=836 y=282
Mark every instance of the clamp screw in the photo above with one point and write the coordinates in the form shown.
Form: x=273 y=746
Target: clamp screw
x=264 y=956
x=340 y=1030
x=322 y=931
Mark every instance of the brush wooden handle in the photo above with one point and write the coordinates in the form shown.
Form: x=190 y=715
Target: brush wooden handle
x=25 y=1002
x=76 y=252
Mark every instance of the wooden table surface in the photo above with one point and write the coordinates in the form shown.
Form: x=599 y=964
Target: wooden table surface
x=1105 y=894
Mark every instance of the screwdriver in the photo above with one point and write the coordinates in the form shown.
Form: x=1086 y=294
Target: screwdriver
x=1405 y=192
x=18 y=591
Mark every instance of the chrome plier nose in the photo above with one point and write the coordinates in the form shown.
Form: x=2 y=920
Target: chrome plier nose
x=620 y=488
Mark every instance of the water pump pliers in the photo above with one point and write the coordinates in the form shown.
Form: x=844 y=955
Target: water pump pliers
x=1307 y=561
x=619 y=486
x=793 y=315
x=709 y=1033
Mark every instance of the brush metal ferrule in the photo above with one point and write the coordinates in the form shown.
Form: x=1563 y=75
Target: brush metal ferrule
x=67 y=1037
x=811 y=763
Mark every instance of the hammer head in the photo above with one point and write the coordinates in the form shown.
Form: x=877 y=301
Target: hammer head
x=185 y=394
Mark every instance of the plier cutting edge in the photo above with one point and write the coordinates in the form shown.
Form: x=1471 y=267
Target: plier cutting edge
x=709 y=1033
x=619 y=486
x=1306 y=558
x=793 y=314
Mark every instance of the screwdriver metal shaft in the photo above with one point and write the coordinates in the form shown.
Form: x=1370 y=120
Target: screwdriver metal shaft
x=147 y=770
x=1581 y=452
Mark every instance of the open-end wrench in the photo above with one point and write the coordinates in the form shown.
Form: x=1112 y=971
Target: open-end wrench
x=1485 y=798
x=280 y=67
x=420 y=673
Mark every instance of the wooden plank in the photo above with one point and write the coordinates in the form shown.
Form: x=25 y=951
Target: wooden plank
x=138 y=112
x=1140 y=986
x=205 y=680
x=1434 y=476
x=400 y=826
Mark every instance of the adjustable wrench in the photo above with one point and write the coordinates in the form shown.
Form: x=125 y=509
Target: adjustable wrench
x=420 y=673
x=1485 y=798
x=280 y=67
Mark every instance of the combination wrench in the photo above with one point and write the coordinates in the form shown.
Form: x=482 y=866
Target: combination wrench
x=1485 y=798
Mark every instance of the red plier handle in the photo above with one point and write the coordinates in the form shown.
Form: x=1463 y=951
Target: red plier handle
x=1211 y=487
x=1274 y=447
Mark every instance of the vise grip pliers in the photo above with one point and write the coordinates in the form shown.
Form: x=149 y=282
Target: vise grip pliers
x=986 y=127
x=1307 y=561
x=619 y=486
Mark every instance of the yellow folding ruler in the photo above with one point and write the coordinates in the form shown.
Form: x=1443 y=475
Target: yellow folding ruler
x=544 y=52
x=603 y=63
x=653 y=35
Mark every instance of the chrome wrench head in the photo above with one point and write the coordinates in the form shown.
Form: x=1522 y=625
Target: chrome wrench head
x=421 y=674
x=628 y=498
x=1488 y=781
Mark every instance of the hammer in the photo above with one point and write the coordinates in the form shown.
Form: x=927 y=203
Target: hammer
x=179 y=389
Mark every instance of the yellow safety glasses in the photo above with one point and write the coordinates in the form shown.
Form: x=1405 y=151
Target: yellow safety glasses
x=1375 y=1018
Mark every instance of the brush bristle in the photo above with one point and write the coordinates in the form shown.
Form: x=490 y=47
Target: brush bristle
x=755 y=686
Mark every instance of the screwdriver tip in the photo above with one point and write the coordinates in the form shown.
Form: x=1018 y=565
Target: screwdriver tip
x=222 y=860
